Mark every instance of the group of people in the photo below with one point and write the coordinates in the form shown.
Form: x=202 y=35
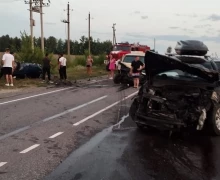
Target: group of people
x=61 y=67
x=8 y=67
x=62 y=62
x=136 y=67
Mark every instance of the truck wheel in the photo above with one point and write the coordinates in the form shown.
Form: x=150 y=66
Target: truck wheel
x=117 y=79
x=214 y=121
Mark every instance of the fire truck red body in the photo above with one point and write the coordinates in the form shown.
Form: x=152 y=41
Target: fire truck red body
x=120 y=49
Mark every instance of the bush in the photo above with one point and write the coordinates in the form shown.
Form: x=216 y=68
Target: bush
x=26 y=54
x=98 y=61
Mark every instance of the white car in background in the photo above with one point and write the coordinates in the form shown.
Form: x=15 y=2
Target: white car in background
x=128 y=58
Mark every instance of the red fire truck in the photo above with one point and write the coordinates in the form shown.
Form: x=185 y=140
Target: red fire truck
x=120 y=49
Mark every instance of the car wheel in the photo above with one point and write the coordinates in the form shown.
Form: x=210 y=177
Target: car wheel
x=117 y=79
x=215 y=120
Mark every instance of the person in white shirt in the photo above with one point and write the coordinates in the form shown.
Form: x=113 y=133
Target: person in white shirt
x=62 y=67
x=8 y=66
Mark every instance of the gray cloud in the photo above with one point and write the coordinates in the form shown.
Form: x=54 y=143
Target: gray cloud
x=137 y=12
x=202 y=26
x=214 y=17
x=187 y=15
x=144 y=17
x=188 y=30
x=173 y=37
x=173 y=27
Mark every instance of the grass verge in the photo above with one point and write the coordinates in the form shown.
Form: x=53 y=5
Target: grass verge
x=73 y=73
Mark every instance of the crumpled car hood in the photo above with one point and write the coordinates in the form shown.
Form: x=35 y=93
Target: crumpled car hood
x=157 y=63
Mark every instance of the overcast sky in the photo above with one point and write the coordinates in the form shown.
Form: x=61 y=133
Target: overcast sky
x=136 y=21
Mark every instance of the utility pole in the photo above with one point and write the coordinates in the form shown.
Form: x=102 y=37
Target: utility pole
x=68 y=19
x=41 y=24
x=38 y=8
x=89 y=33
x=114 y=36
x=30 y=2
x=68 y=23
x=89 y=30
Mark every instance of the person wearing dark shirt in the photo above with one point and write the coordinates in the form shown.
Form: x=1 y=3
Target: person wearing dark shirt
x=136 y=67
x=46 y=67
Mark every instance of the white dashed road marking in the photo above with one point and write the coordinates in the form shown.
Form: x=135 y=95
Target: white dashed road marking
x=2 y=163
x=55 y=135
x=73 y=109
x=37 y=95
x=30 y=148
x=102 y=110
x=42 y=94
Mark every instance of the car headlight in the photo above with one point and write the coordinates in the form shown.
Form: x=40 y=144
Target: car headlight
x=214 y=96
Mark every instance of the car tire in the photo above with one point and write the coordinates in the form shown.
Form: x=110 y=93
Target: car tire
x=117 y=79
x=214 y=121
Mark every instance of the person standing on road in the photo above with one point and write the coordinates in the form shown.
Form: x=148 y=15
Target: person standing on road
x=89 y=62
x=62 y=67
x=46 y=68
x=8 y=66
x=136 y=67
x=112 y=66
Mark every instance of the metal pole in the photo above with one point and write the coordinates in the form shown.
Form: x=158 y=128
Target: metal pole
x=89 y=33
x=114 y=33
x=154 y=45
x=41 y=21
x=68 y=22
x=113 y=42
x=31 y=24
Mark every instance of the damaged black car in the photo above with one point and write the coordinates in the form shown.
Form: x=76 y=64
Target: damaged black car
x=182 y=91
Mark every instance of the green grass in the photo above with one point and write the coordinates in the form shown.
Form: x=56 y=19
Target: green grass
x=73 y=73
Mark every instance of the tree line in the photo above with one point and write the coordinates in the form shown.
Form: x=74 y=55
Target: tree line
x=55 y=46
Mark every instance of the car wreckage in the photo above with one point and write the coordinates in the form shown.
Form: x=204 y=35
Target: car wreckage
x=182 y=91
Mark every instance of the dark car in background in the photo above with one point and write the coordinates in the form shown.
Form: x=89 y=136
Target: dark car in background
x=182 y=91
x=29 y=70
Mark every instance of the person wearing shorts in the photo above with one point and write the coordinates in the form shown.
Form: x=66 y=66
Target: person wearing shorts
x=136 y=67
x=8 y=66
x=89 y=62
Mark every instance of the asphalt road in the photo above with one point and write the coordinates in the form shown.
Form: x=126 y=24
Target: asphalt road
x=84 y=132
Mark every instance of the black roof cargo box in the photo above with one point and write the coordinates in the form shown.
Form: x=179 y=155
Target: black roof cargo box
x=191 y=47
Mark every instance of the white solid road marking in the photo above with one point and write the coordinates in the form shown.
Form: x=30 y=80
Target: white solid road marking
x=37 y=95
x=30 y=148
x=2 y=163
x=55 y=135
x=102 y=110
x=73 y=109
